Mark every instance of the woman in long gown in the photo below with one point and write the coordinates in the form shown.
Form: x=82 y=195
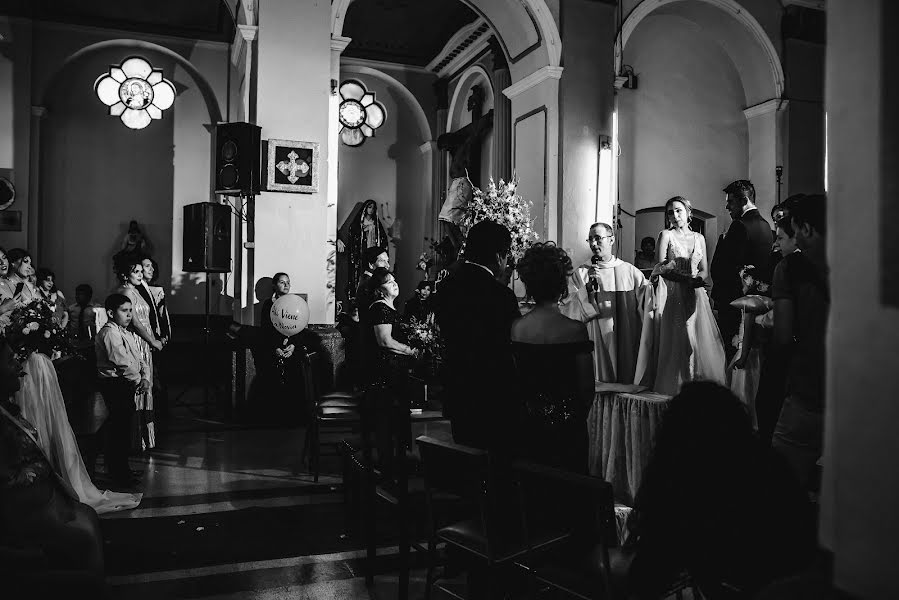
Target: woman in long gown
x=130 y=272
x=41 y=403
x=553 y=366
x=680 y=340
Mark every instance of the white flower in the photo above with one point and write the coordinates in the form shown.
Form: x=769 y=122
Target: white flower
x=47 y=334
x=33 y=326
x=26 y=331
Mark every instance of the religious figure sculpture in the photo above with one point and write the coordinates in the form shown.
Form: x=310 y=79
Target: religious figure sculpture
x=464 y=147
x=608 y=295
x=134 y=242
x=361 y=230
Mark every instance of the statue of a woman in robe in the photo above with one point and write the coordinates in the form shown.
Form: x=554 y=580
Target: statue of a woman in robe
x=361 y=230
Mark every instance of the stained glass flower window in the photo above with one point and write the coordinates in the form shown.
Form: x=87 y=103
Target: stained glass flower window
x=359 y=113
x=135 y=92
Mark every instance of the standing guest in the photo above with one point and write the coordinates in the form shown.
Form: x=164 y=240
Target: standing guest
x=646 y=256
x=680 y=340
x=155 y=297
x=744 y=369
x=131 y=275
x=801 y=306
x=85 y=317
x=747 y=242
x=475 y=314
x=123 y=374
x=20 y=269
x=419 y=306
x=606 y=294
x=378 y=338
x=46 y=287
x=554 y=370
x=375 y=258
x=7 y=289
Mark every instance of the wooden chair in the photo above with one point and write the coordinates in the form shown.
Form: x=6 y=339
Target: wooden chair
x=579 y=505
x=336 y=411
x=493 y=537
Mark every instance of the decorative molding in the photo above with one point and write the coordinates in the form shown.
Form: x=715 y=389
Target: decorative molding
x=244 y=35
x=469 y=41
x=470 y=74
x=38 y=111
x=763 y=108
x=339 y=43
x=813 y=4
x=427 y=147
x=731 y=7
x=532 y=80
x=381 y=65
x=157 y=38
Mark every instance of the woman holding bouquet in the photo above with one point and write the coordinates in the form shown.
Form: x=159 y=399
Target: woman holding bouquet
x=18 y=272
x=680 y=341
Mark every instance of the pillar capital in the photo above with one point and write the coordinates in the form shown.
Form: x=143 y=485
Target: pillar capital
x=764 y=108
x=245 y=35
x=39 y=111
x=339 y=43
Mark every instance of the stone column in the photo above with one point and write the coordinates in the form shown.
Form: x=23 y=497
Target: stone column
x=338 y=45
x=764 y=123
x=34 y=179
x=431 y=187
x=502 y=116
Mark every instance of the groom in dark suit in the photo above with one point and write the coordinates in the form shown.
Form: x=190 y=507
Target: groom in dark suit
x=475 y=314
x=747 y=242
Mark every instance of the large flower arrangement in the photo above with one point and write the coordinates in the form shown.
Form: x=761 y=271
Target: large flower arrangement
x=424 y=336
x=32 y=328
x=502 y=205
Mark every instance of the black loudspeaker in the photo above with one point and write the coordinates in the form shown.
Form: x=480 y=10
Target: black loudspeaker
x=237 y=158
x=207 y=238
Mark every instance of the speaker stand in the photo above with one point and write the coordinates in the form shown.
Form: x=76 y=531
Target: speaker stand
x=208 y=397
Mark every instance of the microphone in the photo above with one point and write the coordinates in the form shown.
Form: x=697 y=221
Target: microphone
x=593 y=284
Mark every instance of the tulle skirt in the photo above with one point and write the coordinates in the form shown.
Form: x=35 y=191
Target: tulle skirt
x=680 y=341
x=42 y=404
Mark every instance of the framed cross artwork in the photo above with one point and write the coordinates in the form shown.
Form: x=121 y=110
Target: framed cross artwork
x=292 y=166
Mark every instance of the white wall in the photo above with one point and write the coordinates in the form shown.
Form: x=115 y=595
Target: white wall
x=6 y=114
x=682 y=132
x=390 y=169
x=293 y=88
x=861 y=491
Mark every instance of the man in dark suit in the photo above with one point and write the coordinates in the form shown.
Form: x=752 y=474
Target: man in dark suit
x=747 y=242
x=475 y=314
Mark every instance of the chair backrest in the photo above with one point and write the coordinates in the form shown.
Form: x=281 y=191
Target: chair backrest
x=448 y=467
x=581 y=504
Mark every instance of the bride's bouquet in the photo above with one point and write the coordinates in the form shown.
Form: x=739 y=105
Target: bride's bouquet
x=32 y=328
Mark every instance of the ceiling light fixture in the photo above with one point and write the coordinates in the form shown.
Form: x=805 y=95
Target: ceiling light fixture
x=135 y=92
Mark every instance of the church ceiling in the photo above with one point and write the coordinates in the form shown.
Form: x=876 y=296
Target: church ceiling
x=410 y=32
x=194 y=19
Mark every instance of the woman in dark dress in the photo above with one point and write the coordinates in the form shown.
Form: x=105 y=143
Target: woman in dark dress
x=554 y=365
x=379 y=344
x=280 y=358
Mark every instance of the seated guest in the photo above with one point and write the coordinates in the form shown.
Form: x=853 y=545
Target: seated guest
x=475 y=313
x=419 y=306
x=715 y=503
x=55 y=538
x=554 y=367
x=645 y=259
x=46 y=287
x=375 y=258
x=85 y=317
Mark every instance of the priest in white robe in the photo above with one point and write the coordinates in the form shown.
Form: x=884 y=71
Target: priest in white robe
x=607 y=294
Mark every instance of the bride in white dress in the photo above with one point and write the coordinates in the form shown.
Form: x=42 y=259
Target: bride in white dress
x=680 y=340
x=42 y=404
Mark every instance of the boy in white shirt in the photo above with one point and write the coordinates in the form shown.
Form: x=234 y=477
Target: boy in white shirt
x=123 y=373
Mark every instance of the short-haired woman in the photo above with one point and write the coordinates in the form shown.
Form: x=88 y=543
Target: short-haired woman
x=554 y=366
x=46 y=288
x=378 y=341
x=681 y=332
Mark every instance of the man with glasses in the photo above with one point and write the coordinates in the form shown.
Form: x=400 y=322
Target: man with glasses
x=607 y=294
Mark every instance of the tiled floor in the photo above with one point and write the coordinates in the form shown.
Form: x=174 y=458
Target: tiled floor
x=195 y=532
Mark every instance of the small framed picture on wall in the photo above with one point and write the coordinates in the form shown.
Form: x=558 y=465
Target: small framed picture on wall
x=292 y=166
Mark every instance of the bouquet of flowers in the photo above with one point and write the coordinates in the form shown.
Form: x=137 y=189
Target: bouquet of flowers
x=31 y=328
x=426 y=260
x=502 y=205
x=424 y=336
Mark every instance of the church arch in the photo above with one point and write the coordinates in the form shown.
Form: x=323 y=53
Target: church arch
x=761 y=52
x=212 y=105
x=420 y=117
x=473 y=75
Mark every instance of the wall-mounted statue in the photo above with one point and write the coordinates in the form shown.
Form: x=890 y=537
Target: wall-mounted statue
x=464 y=147
x=361 y=230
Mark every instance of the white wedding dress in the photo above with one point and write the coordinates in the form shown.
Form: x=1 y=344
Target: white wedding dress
x=41 y=401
